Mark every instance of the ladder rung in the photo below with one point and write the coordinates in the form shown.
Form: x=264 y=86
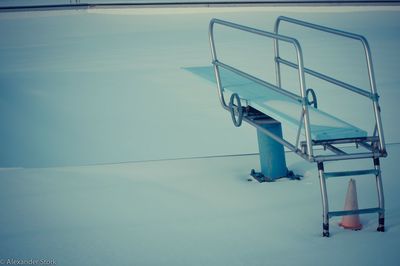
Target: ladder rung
x=366 y=145
x=351 y=212
x=351 y=173
x=334 y=149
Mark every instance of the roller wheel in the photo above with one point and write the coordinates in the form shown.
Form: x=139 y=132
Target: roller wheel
x=236 y=109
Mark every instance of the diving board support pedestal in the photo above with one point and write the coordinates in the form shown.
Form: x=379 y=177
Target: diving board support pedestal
x=272 y=154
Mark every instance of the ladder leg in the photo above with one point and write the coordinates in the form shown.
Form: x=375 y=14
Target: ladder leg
x=324 y=196
x=381 y=199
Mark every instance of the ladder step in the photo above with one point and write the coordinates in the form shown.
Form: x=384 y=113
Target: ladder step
x=351 y=173
x=351 y=212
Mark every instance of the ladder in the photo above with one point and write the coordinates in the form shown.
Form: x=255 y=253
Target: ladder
x=265 y=103
x=323 y=176
x=376 y=146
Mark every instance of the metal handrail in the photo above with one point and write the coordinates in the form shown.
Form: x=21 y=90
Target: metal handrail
x=300 y=64
x=373 y=95
x=259 y=81
x=328 y=78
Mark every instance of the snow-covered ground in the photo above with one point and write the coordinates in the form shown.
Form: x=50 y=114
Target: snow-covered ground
x=190 y=212
x=103 y=87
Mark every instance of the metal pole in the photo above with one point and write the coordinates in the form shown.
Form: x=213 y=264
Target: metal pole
x=324 y=196
x=276 y=50
x=303 y=95
x=375 y=102
x=330 y=79
x=381 y=199
x=361 y=155
x=320 y=28
x=216 y=70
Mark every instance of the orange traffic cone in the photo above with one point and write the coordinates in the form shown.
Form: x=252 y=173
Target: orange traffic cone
x=351 y=221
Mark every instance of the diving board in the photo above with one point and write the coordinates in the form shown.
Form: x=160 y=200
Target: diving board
x=281 y=108
x=267 y=106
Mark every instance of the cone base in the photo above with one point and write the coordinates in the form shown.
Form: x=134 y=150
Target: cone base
x=355 y=227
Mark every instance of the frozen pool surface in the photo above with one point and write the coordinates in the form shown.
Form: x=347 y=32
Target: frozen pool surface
x=108 y=85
